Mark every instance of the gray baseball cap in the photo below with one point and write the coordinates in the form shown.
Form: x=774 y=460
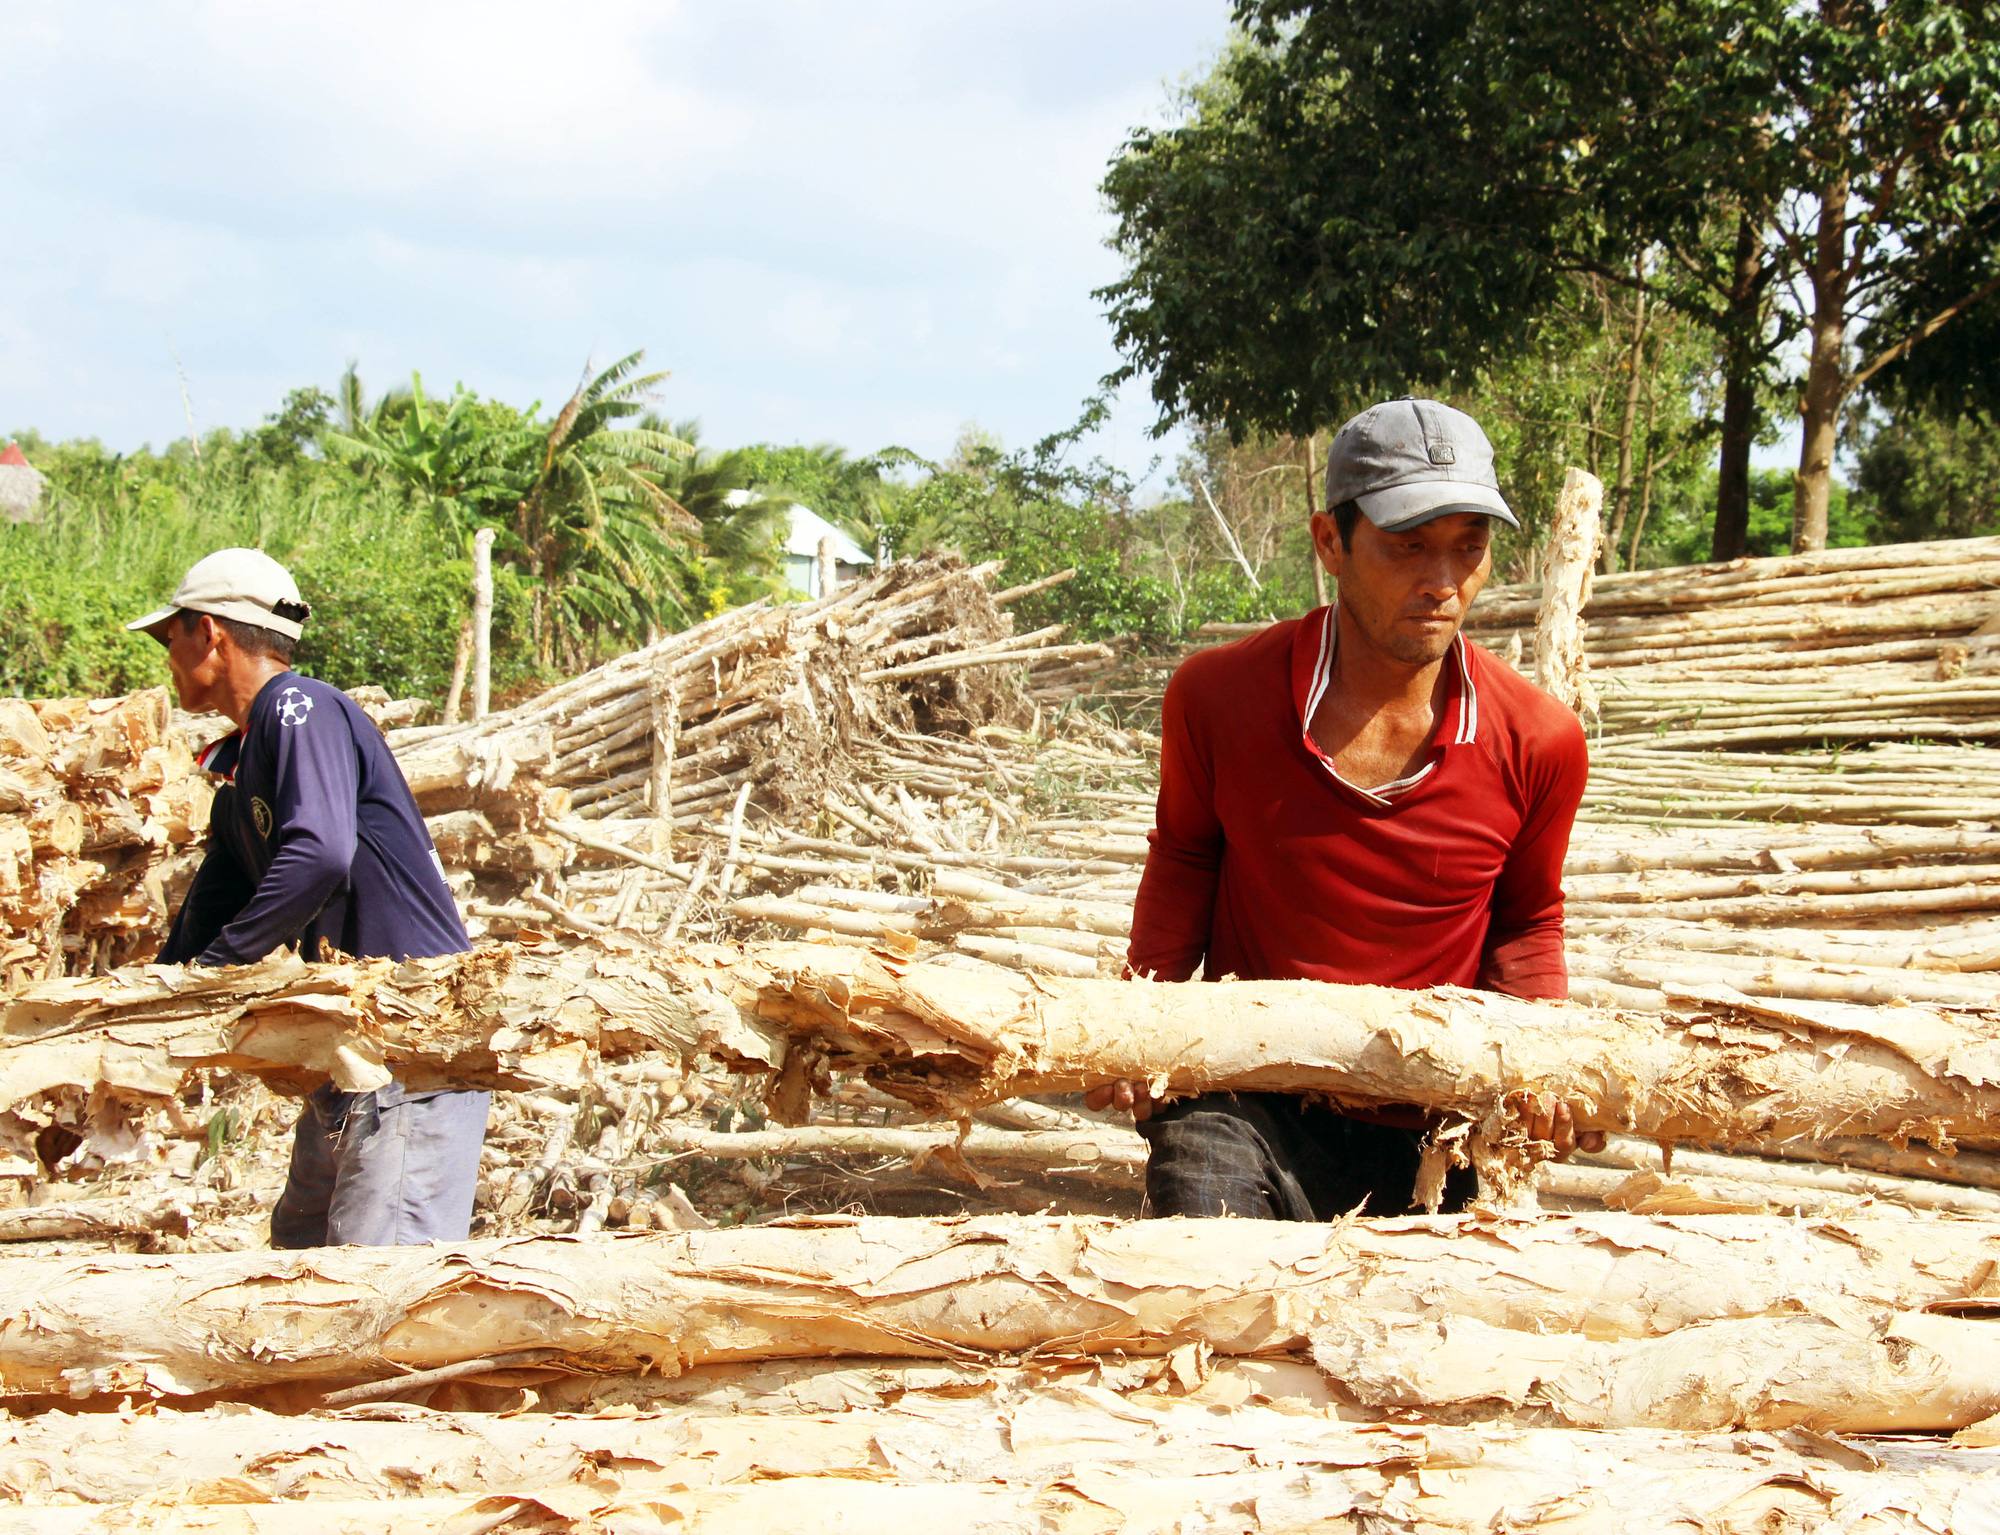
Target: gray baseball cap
x=1408 y=461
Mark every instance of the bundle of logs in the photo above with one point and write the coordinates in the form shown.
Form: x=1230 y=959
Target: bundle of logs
x=1787 y=979
x=1896 y=642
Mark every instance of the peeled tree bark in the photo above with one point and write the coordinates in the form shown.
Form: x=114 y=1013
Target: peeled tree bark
x=1721 y=1068
x=1062 y=1457
x=971 y=1290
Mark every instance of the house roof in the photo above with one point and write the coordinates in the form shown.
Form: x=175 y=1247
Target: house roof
x=808 y=528
x=14 y=455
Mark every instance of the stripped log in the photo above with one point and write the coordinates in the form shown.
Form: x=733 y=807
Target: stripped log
x=1427 y=1479
x=1099 y=1153
x=1713 y=1185
x=1722 y=1068
x=953 y=1289
x=1070 y=1457
x=1577 y=533
x=1843 y=1371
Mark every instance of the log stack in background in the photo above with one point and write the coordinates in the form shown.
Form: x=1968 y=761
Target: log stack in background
x=1898 y=642
x=762 y=716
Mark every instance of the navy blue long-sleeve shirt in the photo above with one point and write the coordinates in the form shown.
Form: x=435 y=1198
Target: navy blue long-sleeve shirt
x=317 y=836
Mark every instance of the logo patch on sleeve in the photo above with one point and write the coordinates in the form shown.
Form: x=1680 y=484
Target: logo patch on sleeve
x=294 y=707
x=261 y=814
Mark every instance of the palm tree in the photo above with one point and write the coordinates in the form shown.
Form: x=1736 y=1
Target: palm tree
x=596 y=530
x=742 y=529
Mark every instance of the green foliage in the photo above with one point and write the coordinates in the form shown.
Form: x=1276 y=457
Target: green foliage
x=1363 y=198
x=594 y=527
x=1922 y=476
x=578 y=501
x=1680 y=535
x=469 y=463
x=388 y=588
x=845 y=491
x=1139 y=572
x=742 y=553
x=1563 y=402
x=1368 y=197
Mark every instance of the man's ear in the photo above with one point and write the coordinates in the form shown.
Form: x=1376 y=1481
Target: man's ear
x=1326 y=543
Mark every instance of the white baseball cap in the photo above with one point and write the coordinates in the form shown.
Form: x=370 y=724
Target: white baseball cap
x=244 y=584
x=1408 y=461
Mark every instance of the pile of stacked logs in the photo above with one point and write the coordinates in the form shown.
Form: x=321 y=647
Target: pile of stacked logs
x=100 y=806
x=1898 y=642
x=1670 y=1360
x=764 y=715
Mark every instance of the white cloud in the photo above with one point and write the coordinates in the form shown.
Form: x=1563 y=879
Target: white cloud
x=867 y=222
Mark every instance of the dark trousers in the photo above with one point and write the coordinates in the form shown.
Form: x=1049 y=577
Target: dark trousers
x=1271 y=1156
x=370 y=1174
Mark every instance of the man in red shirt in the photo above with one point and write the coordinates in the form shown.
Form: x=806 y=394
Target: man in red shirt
x=1360 y=796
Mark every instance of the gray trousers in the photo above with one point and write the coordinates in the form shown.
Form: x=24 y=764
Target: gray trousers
x=372 y=1174
x=1274 y=1157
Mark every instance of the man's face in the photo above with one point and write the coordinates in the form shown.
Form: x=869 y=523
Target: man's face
x=1408 y=592
x=193 y=657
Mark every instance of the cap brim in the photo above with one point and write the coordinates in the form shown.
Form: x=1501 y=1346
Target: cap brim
x=1410 y=506
x=152 y=620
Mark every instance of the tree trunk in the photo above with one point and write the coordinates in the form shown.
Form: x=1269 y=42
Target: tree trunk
x=984 y=1451
x=1000 y=1450
x=1826 y=373
x=460 y=663
x=1628 y=419
x=1742 y=344
x=482 y=623
x=1833 y=1373
x=1646 y=478
x=1320 y=594
x=97 y=1324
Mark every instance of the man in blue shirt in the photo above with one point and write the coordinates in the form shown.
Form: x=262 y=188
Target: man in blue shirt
x=315 y=842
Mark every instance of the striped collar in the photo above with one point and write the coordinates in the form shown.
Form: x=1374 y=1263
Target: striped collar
x=220 y=755
x=1319 y=636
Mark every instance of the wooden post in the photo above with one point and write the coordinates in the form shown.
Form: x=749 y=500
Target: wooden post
x=482 y=622
x=1561 y=666
x=460 y=662
x=829 y=569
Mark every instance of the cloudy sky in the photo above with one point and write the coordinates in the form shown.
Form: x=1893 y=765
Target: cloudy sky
x=860 y=221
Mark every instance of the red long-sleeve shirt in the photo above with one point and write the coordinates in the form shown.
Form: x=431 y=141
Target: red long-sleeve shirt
x=1267 y=865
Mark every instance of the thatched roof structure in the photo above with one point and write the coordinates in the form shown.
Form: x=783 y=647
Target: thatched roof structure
x=20 y=486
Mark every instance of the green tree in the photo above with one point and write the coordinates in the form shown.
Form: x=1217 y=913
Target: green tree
x=466 y=462
x=1367 y=197
x=577 y=500
x=841 y=488
x=1922 y=475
